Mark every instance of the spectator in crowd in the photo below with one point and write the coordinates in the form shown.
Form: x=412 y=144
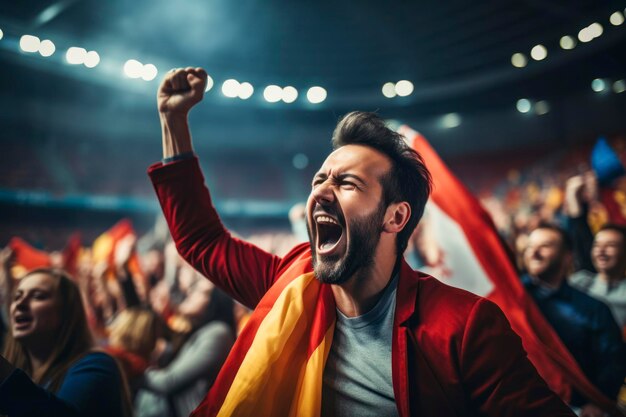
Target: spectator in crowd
x=132 y=339
x=601 y=258
x=49 y=367
x=608 y=255
x=206 y=317
x=584 y=324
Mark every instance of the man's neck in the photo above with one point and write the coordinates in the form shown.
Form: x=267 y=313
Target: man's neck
x=610 y=279
x=361 y=292
x=551 y=283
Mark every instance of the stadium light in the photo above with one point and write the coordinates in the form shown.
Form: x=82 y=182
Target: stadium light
x=316 y=95
x=519 y=60
x=451 y=120
x=91 y=59
x=75 y=55
x=133 y=68
x=149 y=72
x=389 y=90
x=598 y=85
x=404 y=88
x=29 y=43
x=272 y=93
x=542 y=107
x=46 y=48
x=209 y=83
x=616 y=18
x=567 y=42
x=523 y=105
x=245 y=90
x=539 y=52
x=290 y=94
x=230 y=88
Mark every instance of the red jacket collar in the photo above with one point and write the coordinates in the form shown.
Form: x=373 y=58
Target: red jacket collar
x=406 y=294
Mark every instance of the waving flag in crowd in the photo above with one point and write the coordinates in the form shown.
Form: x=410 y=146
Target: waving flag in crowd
x=471 y=255
x=27 y=257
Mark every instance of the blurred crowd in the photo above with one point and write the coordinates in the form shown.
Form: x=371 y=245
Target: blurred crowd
x=170 y=330
x=168 y=327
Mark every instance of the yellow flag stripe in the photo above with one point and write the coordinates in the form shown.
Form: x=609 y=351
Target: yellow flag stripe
x=266 y=381
x=310 y=399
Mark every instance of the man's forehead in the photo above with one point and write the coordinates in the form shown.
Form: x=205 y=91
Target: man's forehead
x=544 y=236
x=608 y=236
x=356 y=157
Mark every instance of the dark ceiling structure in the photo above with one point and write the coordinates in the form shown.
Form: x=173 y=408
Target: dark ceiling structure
x=456 y=53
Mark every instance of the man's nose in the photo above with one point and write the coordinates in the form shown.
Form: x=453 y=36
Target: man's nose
x=534 y=252
x=323 y=194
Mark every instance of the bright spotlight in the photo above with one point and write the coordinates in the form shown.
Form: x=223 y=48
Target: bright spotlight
x=29 y=43
x=149 y=72
x=1 y=34
x=133 y=68
x=451 y=120
x=585 y=35
x=542 y=107
x=519 y=60
x=316 y=95
x=539 y=52
x=596 y=29
x=209 y=83
x=616 y=18
x=290 y=94
x=567 y=42
x=75 y=55
x=91 y=59
x=46 y=48
x=230 y=88
x=389 y=90
x=404 y=88
x=272 y=93
x=245 y=90
x=523 y=105
x=619 y=86
x=598 y=85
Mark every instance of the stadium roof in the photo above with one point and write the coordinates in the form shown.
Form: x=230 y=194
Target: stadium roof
x=458 y=55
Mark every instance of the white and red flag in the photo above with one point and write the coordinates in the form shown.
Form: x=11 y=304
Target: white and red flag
x=470 y=254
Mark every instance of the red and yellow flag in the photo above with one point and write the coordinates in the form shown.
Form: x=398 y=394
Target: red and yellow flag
x=276 y=366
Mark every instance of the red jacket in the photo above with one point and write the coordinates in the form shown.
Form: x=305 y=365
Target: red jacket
x=453 y=353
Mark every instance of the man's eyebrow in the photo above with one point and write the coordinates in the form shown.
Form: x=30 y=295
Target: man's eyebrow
x=353 y=176
x=320 y=175
x=323 y=176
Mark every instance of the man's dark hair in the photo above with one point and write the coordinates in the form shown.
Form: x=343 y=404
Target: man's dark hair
x=616 y=228
x=408 y=180
x=566 y=240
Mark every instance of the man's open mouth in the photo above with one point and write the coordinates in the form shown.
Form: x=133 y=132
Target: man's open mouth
x=329 y=234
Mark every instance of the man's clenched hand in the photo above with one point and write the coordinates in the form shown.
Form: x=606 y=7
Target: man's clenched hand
x=180 y=90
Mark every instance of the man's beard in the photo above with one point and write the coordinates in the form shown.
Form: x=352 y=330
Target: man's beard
x=362 y=242
x=551 y=273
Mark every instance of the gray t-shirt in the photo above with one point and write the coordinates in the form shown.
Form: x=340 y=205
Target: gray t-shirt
x=357 y=376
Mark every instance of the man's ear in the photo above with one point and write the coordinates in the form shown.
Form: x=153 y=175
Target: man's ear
x=396 y=217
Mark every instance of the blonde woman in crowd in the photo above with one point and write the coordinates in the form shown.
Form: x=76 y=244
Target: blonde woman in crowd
x=132 y=339
x=49 y=367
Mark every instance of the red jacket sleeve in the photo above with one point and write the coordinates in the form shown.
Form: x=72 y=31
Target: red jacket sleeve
x=500 y=379
x=241 y=269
